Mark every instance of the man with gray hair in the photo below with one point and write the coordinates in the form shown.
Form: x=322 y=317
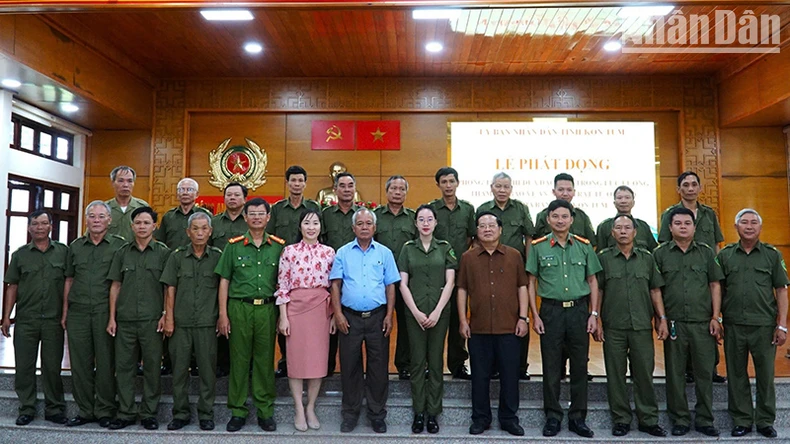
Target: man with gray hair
x=363 y=298
x=122 y=205
x=754 y=312
x=172 y=230
x=85 y=314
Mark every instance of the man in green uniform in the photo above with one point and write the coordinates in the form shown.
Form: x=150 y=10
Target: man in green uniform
x=395 y=226
x=137 y=319
x=630 y=287
x=35 y=279
x=517 y=230
x=755 y=322
x=455 y=224
x=692 y=299
x=173 y=229
x=247 y=315
x=562 y=268
x=85 y=315
x=564 y=190
x=191 y=320
x=284 y=224
x=624 y=203
x=122 y=205
x=336 y=231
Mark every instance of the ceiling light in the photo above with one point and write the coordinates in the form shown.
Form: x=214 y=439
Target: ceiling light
x=645 y=11
x=434 y=47
x=435 y=14
x=253 y=48
x=226 y=15
x=11 y=83
x=612 y=46
x=69 y=107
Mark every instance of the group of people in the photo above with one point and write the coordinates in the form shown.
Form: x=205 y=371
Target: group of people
x=220 y=288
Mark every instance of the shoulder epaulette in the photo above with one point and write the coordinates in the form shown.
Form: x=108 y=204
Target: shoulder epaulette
x=410 y=242
x=660 y=245
x=771 y=247
x=181 y=248
x=605 y=250
x=440 y=242
x=581 y=239
x=117 y=237
x=213 y=248
x=643 y=250
x=233 y=240
x=280 y=241
x=539 y=240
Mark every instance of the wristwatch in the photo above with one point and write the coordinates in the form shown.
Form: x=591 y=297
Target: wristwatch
x=594 y=313
x=662 y=317
x=524 y=318
x=719 y=319
x=780 y=328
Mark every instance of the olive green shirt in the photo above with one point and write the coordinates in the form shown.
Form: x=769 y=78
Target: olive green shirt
x=516 y=223
x=749 y=283
x=40 y=276
x=687 y=277
x=196 y=285
x=88 y=265
x=223 y=229
x=626 y=285
x=708 y=231
x=284 y=222
x=581 y=225
x=394 y=230
x=142 y=295
x=336 y=227
x=172 y=229
x=456 y=226
x=121 y=224
x=251 y=270
x=562 y=272
x=644 y=235
x=427 y=270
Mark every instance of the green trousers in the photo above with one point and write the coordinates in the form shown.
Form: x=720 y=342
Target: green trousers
x=739 y=342
x=427 y=350
x=91 y=347
x=251 y=339
x=693 y=339
x=637 y=347
x=402 y=354
x=133 y=339
x=27 y=336
x=202 y=341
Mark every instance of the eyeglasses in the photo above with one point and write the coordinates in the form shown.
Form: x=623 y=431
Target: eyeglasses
x=487 y=226
x=257 y=214
x=427 y=220
x=185 y=190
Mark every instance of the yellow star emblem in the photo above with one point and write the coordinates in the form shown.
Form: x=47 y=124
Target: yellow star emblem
x=378 y=135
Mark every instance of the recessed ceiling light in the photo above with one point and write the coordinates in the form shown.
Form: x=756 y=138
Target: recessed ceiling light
x=434 y=47
x=612 y=46
x=226 y=15
x=645 y=11
x=11 y=83
x=69 y=107
x=435 y=14
x=253 y=48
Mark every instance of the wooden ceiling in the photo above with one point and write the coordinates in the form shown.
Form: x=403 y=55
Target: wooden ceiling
x=385 y=42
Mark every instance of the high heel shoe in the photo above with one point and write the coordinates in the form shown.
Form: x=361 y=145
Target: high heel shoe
x=312 y=421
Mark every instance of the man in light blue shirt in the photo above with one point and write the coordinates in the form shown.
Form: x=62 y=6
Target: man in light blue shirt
x=363 y=298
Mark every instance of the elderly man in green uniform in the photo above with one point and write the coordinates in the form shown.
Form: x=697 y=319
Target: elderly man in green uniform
x=122 y=205
x=564 y=189
x=630 y=287
x=624 y=203
x=692 y=299
x=562 y=268
x=137 y=319
x=755 y=322
x=173 y=229
x=85 y=315
x=35 y=279
x=455 y=224
x=247 y=315
x=191 y=320
x=336 y=231
x=395 y=226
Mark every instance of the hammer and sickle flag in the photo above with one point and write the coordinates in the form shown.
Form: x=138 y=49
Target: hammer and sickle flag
x=333 y=135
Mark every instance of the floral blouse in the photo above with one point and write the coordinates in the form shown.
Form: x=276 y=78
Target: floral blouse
x=303 y=266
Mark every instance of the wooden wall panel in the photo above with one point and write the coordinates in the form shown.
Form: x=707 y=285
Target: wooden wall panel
x=7 y=29
x=767 y=195
x=753 y=152
x=108 y=149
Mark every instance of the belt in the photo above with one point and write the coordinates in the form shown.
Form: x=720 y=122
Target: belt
x=263 y=301
x=366 y=314
x=565 y=304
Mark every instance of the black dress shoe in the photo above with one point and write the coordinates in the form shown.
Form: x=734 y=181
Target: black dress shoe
x=719 y=379
x=165 y=370
x=206 y=424
x=524 y=376
x=105 y=421
x=58 y=418
x=222 y=372
x=404 y=375
x=418 y=425
x=236 y=423
x=139 y=369
x=578 y=427
x=680 y=430
x=378 y=425
x=552 y=427
x=118 y=423
x=150 y=423
x=194 y=371
x=768 y=431
x=621 y=429
x=281 y=373
x=495 y=375
x=707 y=430
x=23 y=420
x=654 y=430
x=478 y=427
x=348 y=425
x=462 y=373
x=177 y=424
x=741 y=431
x=78 y=421
x=268 y=424
x=432 y=426
x=689 y=378
x=513 y=428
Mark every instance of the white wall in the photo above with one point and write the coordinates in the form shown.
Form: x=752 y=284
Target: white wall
x=5 y=136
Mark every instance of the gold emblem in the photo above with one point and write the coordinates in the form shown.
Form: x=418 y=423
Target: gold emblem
x=243 y=164
x=334 y=133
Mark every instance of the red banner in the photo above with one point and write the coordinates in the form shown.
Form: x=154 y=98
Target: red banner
x=332 y=135
x=378 y=135
x=216 y=204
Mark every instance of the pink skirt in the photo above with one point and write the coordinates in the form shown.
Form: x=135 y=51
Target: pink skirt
x=308 y=344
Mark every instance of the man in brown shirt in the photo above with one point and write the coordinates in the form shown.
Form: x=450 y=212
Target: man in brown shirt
x=493 y=278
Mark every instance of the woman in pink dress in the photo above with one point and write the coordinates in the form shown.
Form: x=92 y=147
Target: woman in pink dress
x=305 y=315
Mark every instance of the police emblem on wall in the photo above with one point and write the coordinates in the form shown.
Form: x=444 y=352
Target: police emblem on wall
x=243 y=164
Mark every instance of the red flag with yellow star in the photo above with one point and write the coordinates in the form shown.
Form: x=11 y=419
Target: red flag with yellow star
x=332 y=135
x=378 y=134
